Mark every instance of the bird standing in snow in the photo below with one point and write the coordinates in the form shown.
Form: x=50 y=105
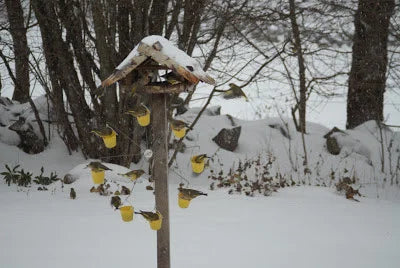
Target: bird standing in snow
x=115 y=202
x=72 y=194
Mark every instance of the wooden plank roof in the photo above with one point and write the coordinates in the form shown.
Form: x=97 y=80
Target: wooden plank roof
x=164 y=53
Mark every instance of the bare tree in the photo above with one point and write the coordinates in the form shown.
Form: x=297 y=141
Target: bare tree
x=20 y=49
x=368 y=70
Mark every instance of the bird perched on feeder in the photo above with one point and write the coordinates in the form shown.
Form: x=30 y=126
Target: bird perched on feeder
x=103 y=132
x=173 y=78
x=199 y=158
x=139 y=110
x=178 y=124
x=97 y=166
x=72 y=194
x=115 y=202
x=133 y=174
x=150 y=216
x=234 y=92
x=189 y=194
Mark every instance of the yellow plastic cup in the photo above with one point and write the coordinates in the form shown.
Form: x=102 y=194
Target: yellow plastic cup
x=197 y=167
x=145 y=119
x=183 y=203
x=179 y=133
x=126 y=213
x=156 y=225
x=98 y=177
x=110 y=141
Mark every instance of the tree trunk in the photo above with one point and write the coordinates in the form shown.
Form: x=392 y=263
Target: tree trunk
x=302 y=69
x=368 y=70
x=160 y=175
x=63 y=75
x=21 y=51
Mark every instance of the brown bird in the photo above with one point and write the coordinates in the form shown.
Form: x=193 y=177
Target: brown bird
x=97 y=166
x=139 y=110
x=189 y=194
x=125 y=191
x=173 y=78
x=178 y=124
x=133 y=174
x=150 y=216
x=234 y=92
x=103 y=132
x=199 y=158
x=72 y=194
x=115 y=202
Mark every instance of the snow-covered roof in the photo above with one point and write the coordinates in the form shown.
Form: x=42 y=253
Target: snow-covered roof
x=165 y=53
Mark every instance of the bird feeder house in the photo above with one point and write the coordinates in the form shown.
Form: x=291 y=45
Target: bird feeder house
x=157 y=53
x=126 y=213
x=98 y=176
x=152 y=55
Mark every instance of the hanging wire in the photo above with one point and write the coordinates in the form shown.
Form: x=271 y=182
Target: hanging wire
x=182 y=178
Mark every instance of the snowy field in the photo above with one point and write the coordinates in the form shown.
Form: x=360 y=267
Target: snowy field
x=296 y=227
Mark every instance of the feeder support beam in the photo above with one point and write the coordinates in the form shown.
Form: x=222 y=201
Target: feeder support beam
x=160 y=174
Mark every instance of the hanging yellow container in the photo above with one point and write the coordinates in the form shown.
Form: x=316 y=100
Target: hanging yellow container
x=98 y=177
x=182 y=202
x=156 y=225
x=144 y=120
x=110 y=141
x=126 y=213
x=197 y=167
x=179 y=133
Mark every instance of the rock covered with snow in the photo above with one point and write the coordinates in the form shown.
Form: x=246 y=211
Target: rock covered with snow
x=228 y=138
x=18 y=124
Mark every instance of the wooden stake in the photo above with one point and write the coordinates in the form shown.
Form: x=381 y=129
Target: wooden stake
x=160 y=175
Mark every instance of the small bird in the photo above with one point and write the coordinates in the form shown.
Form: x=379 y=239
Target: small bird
x=97 y=166
x=139 y=110
x=150 y=216
x=178 y=124
x=125 y=190
x=103 y=132
x=199 y=158
x=189 y=194
x=234 y=92
x=173 y=78
x=115 y=202
x=133 y=174
x=72 y=194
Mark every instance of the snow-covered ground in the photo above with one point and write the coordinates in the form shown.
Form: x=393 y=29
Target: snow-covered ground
x=300 y=226
x=296 y=227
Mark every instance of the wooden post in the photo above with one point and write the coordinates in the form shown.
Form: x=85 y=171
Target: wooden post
x=160 y=175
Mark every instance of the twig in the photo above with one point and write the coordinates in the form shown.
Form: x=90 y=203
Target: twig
x=171 y=161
